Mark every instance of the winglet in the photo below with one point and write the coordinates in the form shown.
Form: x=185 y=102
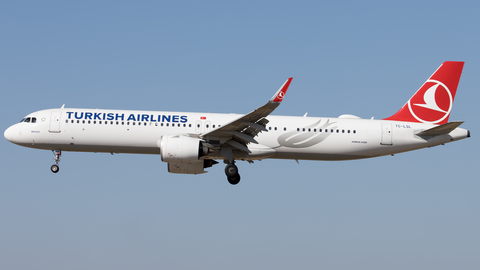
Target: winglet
x=280 y=94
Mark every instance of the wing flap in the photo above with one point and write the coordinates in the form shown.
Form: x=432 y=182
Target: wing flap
x=242 y=136
x=239 y=146
x=255 y=126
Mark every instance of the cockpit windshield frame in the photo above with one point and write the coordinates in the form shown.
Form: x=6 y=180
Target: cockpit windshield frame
x=29 y=120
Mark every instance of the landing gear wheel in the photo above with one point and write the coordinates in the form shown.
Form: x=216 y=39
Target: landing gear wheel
x=54 y=168
x=234 y=179
x=231 y=170
x=57 y=154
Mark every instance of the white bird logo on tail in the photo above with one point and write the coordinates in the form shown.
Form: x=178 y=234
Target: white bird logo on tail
x=429 y=98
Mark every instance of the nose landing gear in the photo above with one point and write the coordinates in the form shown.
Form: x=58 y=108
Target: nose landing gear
x=57 y=154
x=231 y=171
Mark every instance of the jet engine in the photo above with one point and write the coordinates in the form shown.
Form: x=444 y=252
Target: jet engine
x=181 y=149
x=183 y=153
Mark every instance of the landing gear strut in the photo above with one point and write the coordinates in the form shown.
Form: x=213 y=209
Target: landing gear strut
x=231 y=170
x=57 y=154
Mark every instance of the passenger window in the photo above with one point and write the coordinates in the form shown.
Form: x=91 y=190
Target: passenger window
x=284 y=129
x=298 y=129
x=320 y=130
x=343 y=131
x=275 y=128
x=189 y=125
x=354 y=132
x=145 y=123
x=212 y=126
x=309 y=130
x=166 y=124
x=83 y=121
x=66 y=121
x=303 y=130
x=269 y=128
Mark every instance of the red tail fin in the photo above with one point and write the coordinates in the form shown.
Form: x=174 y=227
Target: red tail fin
x=432 y=103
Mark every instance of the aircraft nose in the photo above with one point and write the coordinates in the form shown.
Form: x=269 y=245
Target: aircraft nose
x=11 y=133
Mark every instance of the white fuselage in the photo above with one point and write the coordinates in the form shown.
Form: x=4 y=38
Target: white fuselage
x=288 y=137
x=191 y=142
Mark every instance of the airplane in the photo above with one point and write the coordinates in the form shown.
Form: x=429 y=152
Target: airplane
x=191 y=142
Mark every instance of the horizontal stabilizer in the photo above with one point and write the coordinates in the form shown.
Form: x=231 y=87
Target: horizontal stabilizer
x=440 y=130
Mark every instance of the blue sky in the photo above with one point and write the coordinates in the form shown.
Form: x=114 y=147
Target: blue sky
x=416 y=210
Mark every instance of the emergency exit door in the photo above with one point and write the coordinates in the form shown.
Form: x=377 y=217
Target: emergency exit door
x=386 y=134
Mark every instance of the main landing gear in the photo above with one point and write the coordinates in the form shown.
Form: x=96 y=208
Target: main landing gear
x=231 y=170
x=57 y=154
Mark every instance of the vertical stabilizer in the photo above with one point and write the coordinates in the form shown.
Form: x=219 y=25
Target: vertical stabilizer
x=433 y=102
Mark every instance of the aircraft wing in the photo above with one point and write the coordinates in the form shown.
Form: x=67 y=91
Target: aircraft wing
x=440 y=130
x=241 y=131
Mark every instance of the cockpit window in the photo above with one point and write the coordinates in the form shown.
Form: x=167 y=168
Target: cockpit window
x=29 y=119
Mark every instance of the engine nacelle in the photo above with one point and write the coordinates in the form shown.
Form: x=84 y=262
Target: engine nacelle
x=191 y=167
x=181 y=149
x=186 y=168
